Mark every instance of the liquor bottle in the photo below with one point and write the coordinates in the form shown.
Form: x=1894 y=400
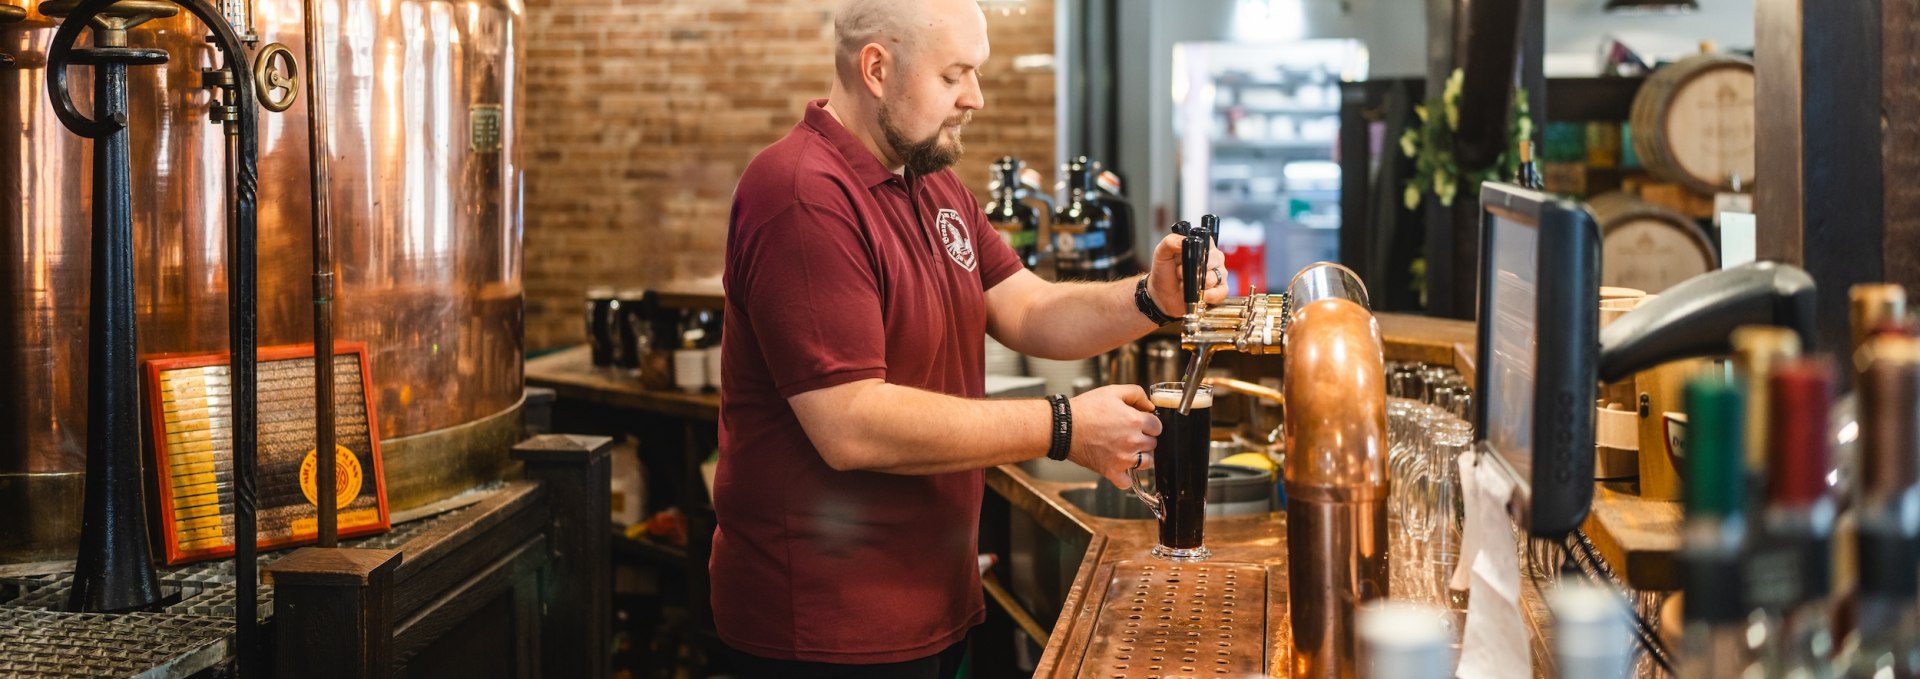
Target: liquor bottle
x=1886 y=640
x=1715 y=533
x=1789 y=572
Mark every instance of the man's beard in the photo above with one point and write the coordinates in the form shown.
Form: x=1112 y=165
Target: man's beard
x=925 y=156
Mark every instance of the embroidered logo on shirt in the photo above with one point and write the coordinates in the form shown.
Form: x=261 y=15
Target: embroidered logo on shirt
x=953 y=234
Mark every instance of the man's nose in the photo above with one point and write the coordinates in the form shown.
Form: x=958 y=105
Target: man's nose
x=972 y=98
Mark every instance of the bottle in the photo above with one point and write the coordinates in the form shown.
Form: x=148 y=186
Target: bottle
x=1082 y=228
x=1886 y=640
x=1593 y=633
x=1111 y=196
x=1528 y=175
x=1017 y=222
x=1715 y=532
x=1789 y=572
x=1401 y=640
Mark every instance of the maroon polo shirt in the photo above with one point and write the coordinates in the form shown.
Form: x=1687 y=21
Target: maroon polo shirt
x=839 y=270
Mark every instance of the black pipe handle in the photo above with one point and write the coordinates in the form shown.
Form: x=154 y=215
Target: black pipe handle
x=1696 y=317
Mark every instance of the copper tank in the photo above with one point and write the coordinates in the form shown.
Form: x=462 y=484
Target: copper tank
x=423 y=99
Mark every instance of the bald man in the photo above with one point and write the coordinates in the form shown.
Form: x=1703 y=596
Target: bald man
x=861 y=280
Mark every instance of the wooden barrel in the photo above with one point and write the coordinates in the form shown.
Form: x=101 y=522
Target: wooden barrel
x=1693 y=123
x=1648 y=247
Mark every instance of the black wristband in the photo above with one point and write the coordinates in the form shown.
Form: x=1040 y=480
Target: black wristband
x=1062 y=427
x=1145 y=302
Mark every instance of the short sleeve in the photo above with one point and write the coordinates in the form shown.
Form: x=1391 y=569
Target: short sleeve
x=812 y=296
x=997 y=259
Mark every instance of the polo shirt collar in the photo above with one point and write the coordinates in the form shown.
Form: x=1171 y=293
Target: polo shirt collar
x=867 y=167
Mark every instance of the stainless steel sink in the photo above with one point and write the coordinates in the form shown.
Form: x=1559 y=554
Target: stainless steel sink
x=1231 y=491
x=1107 y=502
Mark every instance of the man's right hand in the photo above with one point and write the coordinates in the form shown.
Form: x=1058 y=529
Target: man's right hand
x=1112 y=427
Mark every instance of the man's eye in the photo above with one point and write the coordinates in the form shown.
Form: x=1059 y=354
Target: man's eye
x=950 y=80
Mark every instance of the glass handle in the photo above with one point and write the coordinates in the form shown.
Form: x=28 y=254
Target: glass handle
x=1150 y=498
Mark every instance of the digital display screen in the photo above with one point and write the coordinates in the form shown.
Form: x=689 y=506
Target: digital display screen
x=1512 y=306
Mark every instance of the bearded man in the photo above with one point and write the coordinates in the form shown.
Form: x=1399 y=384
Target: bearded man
x=861 y=279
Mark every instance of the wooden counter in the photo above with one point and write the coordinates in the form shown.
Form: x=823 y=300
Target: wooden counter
x=571 y=375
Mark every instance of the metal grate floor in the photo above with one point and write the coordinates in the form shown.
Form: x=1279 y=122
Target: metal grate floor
x=93 y=645
x=37 y=640
x=1162 y=619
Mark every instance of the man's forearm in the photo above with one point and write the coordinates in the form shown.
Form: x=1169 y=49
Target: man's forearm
x=901 y=430
x=1069 y=321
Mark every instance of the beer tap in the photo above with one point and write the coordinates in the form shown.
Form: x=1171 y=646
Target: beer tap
x=10 y=14
x=1255 y=324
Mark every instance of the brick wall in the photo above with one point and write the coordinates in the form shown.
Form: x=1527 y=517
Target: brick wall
x=638 y=116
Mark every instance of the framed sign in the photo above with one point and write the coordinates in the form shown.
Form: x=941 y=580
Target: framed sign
x=190 y=406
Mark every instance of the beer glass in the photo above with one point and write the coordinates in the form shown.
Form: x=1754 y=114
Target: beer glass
x=1176 y=488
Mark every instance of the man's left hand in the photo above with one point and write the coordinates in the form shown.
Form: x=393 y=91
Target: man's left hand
x=1163 y=280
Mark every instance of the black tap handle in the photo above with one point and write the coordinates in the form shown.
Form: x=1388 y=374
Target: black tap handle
x=1193 y=260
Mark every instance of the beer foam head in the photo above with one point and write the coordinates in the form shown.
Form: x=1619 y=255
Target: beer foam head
x=1170 y=398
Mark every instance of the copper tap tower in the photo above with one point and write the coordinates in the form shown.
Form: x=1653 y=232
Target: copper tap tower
x=1336 y=440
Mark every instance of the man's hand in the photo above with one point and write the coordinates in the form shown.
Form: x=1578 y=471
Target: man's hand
x=1112 y=427
x=1163 y=280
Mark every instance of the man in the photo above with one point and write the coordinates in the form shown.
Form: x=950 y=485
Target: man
x=861 y=277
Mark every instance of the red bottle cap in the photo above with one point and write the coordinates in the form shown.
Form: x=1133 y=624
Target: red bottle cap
x=1800 y=450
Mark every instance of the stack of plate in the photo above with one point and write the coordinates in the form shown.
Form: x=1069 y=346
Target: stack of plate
x=1061 y=375
x=1004 y=361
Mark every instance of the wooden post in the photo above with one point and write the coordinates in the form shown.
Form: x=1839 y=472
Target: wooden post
x=575 y=472
x=1900 y=112
x=333 y=613
x=1818 y=196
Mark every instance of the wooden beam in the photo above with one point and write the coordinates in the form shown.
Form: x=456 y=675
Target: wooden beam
x=1818 y=145
x=1900 y=113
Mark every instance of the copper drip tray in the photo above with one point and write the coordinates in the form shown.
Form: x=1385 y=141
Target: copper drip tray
x=1162 y=619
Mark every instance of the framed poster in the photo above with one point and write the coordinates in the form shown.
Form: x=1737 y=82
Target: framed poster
x=190 y=408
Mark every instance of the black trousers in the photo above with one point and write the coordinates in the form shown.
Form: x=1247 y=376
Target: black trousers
x=942 y=665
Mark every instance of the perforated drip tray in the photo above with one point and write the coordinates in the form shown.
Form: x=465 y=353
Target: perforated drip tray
x=1161 y=619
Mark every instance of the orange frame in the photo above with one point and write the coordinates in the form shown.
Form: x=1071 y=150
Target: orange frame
x=156 y=411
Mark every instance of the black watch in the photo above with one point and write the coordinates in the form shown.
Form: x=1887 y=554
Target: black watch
x=1062 y=427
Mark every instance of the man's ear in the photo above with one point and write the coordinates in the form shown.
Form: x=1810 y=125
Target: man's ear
x=877 y=69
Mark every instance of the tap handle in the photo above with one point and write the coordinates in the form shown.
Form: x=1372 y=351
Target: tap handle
x=1193 y=260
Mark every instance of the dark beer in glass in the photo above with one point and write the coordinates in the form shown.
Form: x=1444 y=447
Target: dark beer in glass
x=1179 y=493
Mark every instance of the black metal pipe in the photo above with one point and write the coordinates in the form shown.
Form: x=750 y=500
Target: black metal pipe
x=114 y=572
x=241 y=110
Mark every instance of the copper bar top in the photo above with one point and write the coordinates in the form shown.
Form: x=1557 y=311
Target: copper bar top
x=1252 y=539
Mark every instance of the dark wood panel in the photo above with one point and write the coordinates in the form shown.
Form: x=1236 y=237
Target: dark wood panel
x=416 y=636
x=459 y=556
